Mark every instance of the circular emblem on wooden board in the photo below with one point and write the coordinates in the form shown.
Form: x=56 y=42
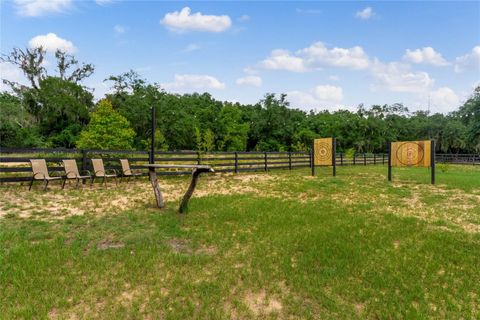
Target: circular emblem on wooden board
x=410 y=153
x=323 y=151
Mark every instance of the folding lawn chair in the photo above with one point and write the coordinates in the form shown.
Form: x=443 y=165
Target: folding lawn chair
x=100 y=172
x=126 y=171
x=40 y=172
x=71 y=172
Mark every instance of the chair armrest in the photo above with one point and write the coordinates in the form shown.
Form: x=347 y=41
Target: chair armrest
x=69 y=172
x=99 y=171
x=43 y=176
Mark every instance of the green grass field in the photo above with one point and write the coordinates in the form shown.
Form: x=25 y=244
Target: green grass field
x=278 y=245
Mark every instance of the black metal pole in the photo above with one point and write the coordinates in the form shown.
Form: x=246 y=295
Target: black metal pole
x=432 y=160
x=334 y=156
x=152 y=145
x=312 y=158
x=389 y=150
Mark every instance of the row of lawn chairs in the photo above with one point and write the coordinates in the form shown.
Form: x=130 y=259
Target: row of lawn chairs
x=40 y=172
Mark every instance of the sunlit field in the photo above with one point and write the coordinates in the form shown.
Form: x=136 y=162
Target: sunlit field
x=276 y=245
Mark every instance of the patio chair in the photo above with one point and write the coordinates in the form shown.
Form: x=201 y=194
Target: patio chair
x=71 y=172
x=126 y=171
x=100 y=172
x=40 y=172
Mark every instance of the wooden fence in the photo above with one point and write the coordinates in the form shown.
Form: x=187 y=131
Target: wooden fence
x=473 y=159
x=15 y=166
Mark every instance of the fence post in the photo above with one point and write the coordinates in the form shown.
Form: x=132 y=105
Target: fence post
x=84 y=164
x=354 y=156
x=199 y=160
x=289 y=160
x=374 y=159
x=364 y=159
x=84 y=161
x=341 y=159
x=266 y=161
x=236 y=162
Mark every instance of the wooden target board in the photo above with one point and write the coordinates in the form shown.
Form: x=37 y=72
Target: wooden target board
x=411 y=154
x=323 y=153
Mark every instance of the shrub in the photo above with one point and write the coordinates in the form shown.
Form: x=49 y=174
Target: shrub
x=107 y=130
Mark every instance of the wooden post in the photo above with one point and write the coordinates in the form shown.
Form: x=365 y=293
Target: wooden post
x=84 y=164
x=84 y=159
x=374 y=159
x=341 y=159
x=312 y=158
x=354 y=156
x=289 y=160
x=199 y=159
x=334 y=156
x=195 y=174
x=432 y=160
x=156 y=187
x=152 y=137
x=236 y=162
x=364 y=159
x=266 y=162
x=389 y=148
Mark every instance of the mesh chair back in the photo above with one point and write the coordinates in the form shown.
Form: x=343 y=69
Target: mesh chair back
x=39 y=168
x=126 y=167
x=71 y=168
x=98 y=167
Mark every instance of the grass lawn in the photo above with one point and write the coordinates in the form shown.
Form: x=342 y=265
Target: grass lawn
x=278 y=245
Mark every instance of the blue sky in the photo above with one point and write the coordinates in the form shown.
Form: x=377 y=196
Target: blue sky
x=324 y=55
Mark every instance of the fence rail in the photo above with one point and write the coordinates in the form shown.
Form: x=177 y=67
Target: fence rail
x=15 y=166
x=473 y=159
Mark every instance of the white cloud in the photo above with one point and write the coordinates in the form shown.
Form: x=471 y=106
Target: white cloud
x=10 y=72
x=191 y=47
x=51 y=42
x=444 y=100
x=282 y=60
x=244 y=18
x=398 y=77
x=316 y=56
x=426 y=55
x=119 y=29
x=328 y=93
x=181 y=21
x=35 y=8
x=255 y=81
x=470 y=61
x=193 y=81
x=334 y=77
x=365 y=14
x=250 y=70
x=319 y=55
x=322 y=96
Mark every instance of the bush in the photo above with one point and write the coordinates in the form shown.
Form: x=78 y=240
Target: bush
x=107 y=130
x=349 y=153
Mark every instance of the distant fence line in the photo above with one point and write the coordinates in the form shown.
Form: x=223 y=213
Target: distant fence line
x=15 y=167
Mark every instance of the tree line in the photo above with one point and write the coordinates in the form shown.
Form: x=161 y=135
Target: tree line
x=59 y=111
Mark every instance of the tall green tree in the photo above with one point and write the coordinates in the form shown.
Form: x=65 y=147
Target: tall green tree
x=59 y=103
